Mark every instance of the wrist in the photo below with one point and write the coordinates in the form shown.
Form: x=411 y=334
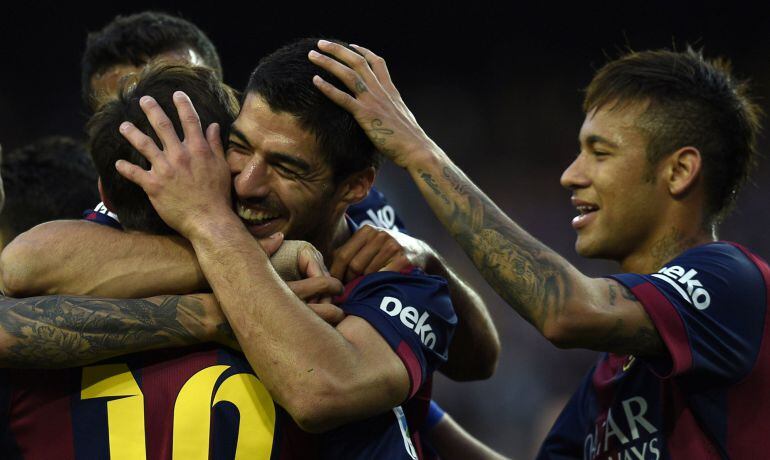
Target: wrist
x=428 y=158
x=212 y=227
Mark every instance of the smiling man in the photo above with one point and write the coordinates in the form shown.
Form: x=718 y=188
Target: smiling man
x=668 y=139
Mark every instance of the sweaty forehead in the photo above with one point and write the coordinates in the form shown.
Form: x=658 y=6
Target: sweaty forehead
x=265 y=129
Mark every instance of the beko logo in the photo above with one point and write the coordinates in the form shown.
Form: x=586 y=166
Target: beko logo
x=411 y=318
x=686 y=285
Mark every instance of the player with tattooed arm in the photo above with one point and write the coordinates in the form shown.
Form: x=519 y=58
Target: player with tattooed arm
x=667 y=140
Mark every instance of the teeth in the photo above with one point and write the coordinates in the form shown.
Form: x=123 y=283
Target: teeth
x=252 y=215
x=585 y=209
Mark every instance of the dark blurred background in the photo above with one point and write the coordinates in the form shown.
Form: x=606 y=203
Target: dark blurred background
x=498 y=87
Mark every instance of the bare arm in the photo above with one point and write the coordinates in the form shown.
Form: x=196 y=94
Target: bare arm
x=84 y=258
x=67 y=331
x=568 y=308
x=323 y=376
x=452 y=442
x=475 y=348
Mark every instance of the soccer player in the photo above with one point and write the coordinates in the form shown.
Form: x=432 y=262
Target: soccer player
x=48 y=179
x=174 y=408
x=668 y=139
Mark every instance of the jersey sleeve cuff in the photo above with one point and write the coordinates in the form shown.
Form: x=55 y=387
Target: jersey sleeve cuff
x=405 y=351
x=667 y=322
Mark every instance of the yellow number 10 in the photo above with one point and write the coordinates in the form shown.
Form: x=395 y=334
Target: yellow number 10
x=192 y=412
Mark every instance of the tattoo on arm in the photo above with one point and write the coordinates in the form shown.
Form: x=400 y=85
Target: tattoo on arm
x=379 y=136
x=65 y=331
x=639 y=340
x=529 y=276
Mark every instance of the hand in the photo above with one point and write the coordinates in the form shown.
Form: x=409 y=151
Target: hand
x=328 y=312
x=319 y=289
x=372 y=249
x=376 y=103
x=189 y=181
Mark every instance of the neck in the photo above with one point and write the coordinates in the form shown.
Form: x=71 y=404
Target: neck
x=339 y=235
x=664 y=248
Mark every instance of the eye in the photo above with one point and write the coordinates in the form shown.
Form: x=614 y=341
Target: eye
x=601 y=154
x=285 y=170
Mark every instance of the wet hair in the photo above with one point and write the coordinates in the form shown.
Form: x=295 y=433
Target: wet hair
x=137 y=38
x=52 y=178
x=285 y=80
x=691 y=101
x=214 y=101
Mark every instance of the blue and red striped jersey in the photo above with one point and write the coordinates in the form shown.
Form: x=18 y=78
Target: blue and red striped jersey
x=206 y=402
x=707 y=397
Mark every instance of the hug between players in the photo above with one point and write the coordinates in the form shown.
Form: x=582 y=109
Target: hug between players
x=237 y=287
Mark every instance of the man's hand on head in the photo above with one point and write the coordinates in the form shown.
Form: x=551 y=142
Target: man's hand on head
x=189 y=181
x=372 y=249
x=376 y=103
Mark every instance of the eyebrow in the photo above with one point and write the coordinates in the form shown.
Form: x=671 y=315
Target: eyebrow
x=282 y=157
x=242 y=137
x=595 y=139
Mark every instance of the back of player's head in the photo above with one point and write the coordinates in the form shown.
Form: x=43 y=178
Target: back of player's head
x=285 y=80
x=49 y=179
x=136 y=39
x=214 y=101
x=692 y=101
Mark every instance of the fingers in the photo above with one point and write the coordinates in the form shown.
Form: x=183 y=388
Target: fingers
x=311 y=262
x=214 y=138
x=339 y=97
x=345 y=253
x=318 y=287
x=349 y=66
x=271 y=244
x=330 y=313
x=143 y=144
x=188 y=117
x=133 y=173
x=378 y=65
x=159 y=121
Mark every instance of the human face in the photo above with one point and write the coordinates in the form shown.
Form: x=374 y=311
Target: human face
x=105 y=84
x=619 y=200
x=281 y=181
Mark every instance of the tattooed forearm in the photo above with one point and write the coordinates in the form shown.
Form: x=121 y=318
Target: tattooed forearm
x=530 y=277
x=65 y=331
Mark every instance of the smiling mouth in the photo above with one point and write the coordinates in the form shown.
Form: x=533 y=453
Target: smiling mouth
x=255 y=217
x=586 y=209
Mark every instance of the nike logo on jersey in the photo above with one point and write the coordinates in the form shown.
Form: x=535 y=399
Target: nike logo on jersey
x=410 y=318
x=686 y=285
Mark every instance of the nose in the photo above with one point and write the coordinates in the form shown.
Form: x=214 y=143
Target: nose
x=575 y=176
x=250 y=176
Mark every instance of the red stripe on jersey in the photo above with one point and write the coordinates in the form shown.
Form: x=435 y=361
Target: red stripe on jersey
x=669 y=325
x=413 y=367
x=161 y=382
x=749 y=437
x=40 y=417
x=685 y=438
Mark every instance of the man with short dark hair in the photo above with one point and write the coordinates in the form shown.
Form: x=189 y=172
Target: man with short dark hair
x=667 y=140
x=128 y=43
x=52 y=178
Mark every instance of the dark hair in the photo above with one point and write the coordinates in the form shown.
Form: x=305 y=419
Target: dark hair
x=214 y=101
x=137 y=38
x=49 y=179
x=691 y=101
x=285 y=80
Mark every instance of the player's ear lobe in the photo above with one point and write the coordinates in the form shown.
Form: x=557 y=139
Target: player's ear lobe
x=684 y=170
x=357 y=186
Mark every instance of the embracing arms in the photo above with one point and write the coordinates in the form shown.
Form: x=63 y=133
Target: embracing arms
x=567 y=307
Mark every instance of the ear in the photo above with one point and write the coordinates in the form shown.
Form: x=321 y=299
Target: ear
x=103 y=197
x=683 y=170
x=357 y=186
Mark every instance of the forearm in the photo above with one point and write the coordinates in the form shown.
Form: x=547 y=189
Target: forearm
x=529 y=276
x=83 y=258
x=67 y=331
x=296 y=354
x=475 y=347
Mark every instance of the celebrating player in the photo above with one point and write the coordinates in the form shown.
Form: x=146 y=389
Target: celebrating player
x=668 y=139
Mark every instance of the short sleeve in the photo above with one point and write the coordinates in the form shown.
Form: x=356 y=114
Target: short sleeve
x=374 y=210
x=412 y=312
x=709 y=307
